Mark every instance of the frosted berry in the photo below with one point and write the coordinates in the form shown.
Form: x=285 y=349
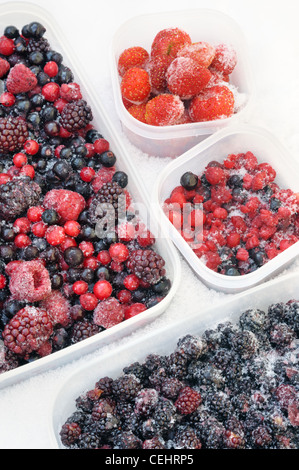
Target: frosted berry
x=30 y=281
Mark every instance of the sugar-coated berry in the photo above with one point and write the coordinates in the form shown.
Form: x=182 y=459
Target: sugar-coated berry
x=34 y=214
x=131 y=282
x=119 y=252
x=72 y=228
x=80 y=287
x=7 y=99
x=31 y=147
x=102 y=289
x=88 y=301
x=55 y=235
x=19 y=160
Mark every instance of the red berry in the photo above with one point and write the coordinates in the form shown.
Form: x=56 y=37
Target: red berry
x=132 y=57
x=131 y=282
x=51 y=69
x=91 y=263
x=3 y=281
x=4 y=178
x=188 y=401
x=30 y=281
x=134 y=309
x=201 y=52
x=55 y=235
x=87 y=174
x=88 y=301
x=87 y=248
x=212 y=103
x=242 y=254
x=108 y=313
x=20 y=79
x=119 y=252
x=68 y=204
x=102 y=290
x=72 y=228
x=34 y=214
x=104 y=257
x=80 y=287
x=58 y=308
x=7 y=99
x=225 y=59
x=7 y=46
x=186 y=78
x=51 y=91
x=22 y=225
x=215 y=175
x=31 y=147
x=124 y=296
x=22 y=240
x=233 y=239
x=164 y=110
x=135 y=85
x=39 y=229
x=19 y=160
x=101 y=145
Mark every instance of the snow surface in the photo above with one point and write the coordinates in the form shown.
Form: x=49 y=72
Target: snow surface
x=270 y=27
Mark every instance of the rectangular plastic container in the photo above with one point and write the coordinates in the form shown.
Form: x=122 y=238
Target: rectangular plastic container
x=236 y=139
x=202 y=25
x=19 y=14
x=111 y=364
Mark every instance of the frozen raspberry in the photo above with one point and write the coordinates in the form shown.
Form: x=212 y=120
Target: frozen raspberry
x=67 y=204
x=108 y=313
x=13 y=134
x=188 y=401
x=135 y=85
x=27 y=331
x=7 y=46
x=164 y=110
x=225 y=59
x=4 y=67
x=215 y=175
x=20 y=79
x=104 y=175
x=138 y=111
x=70 y=92
x=57 y=307
x=212 y=103
x=168 y=42
x=132 y=57
x=30 y=281
x=201 y=52
x=186 y=78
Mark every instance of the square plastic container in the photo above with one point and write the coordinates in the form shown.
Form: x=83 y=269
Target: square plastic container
x=202 y=25
x=111 y=364
x=19 y=14
x=233 y=140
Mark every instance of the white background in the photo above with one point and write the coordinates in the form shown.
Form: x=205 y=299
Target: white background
x=271 y=30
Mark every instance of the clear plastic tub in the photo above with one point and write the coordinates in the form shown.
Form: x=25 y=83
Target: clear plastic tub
x=202 y=25
x=111 y=364
x=19 y=14
x=235 y=139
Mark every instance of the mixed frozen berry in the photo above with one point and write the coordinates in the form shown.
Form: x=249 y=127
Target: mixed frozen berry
x=70 y=266
x=234 y=387
x=178 y=81
x=234 y=215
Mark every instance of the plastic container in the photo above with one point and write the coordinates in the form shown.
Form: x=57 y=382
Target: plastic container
x=112 y=363
x=236 y=139
x=20 y=14
x=202 y=25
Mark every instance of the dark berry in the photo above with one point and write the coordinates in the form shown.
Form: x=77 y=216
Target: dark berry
x=189 y=181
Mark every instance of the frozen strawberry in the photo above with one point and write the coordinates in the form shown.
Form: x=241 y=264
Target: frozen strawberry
x=30 y=281
x=70 y=92
x=164 y=110
x=157 y=68
x=132 y=57
x=103 y=176
x=58 y=308
x=27 y=331
x=20 y=79
x=202 y=52
x=108 y=313
x=4 y=67
x=186 y=78
x=138 y=111
x=212 y=103
x=225 y=59
x=68 y=204
x=169 y=41
x=135 y=85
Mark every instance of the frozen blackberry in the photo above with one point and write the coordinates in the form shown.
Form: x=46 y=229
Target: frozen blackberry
x=145 y=401
x=219 y=405
x=127 y=440
x=154 y=443
x=281 y=335
x=192 y=347
x=13 y=134
x=255 y=320
x=76 y=115
x=165 y=415
x=212 y=433
x=157 y=377
x=83 y=330
x=8 y=360
x=125 y=412
x=138 y=370
x=177 y=365
x=147 y=265
x=261 y=437
x=245 y=344
x=171 y=387
x=17 y=196
x=106 y=203
x=105 y=385
x=38 y=44
x=153 y=362
x=126 y=387
x=89 y=441
x=186 y=438
x=70 y=433
x=102 y=409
